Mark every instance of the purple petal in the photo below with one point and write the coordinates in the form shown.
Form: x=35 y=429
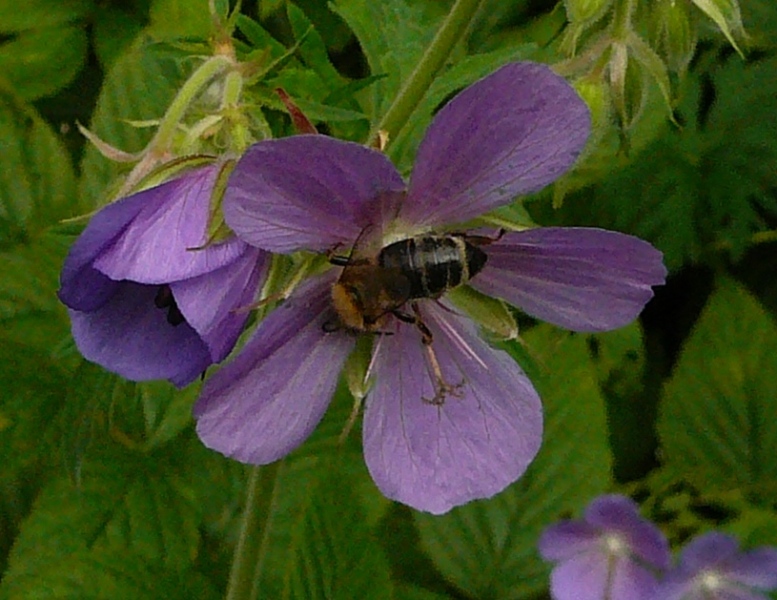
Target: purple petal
x=509 y=134
x=308 y=192
x=566 y=539
x=632 y=581
x=82 y=287
x=215 y=304
x=683 y=586
x=708 y=551
x=130 y=336
x=675 y=587
x=619 y=514
x=157 y=245
x=581 y=279
x=478 y=442
x=581 y=578
x=757 y=568
x=267 y=401
x=733 y=593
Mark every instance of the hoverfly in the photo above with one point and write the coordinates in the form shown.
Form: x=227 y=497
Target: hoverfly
x=375 y=286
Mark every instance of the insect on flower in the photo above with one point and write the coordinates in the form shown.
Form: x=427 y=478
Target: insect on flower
x=509 y=134
x=370 y=289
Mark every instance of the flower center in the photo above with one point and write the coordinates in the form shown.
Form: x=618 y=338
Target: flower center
x=615 y=545
x=710 y=581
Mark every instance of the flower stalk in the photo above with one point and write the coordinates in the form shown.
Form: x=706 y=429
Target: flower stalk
x=411 y=94
x=247 y=562
x=189 y=90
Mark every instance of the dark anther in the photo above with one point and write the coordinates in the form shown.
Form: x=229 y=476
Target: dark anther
x=164 y=299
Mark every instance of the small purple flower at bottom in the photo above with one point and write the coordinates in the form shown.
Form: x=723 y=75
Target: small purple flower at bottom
x=611 y=554
x=712 y=567
x=147 y=297
x=509 y=134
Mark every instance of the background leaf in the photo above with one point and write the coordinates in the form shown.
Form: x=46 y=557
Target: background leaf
x=37 y=184
x=393 y=49
x=41 y=62
x=709 y=186
x=718 y=416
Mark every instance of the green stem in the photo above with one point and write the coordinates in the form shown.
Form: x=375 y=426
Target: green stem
x=188 y=92
x=251 y=547
x=411 y=94
x=622 y=19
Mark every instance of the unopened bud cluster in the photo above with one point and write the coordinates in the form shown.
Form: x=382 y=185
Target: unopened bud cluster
x=630 y=45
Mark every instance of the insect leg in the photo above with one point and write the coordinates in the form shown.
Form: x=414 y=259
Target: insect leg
x=443 y=388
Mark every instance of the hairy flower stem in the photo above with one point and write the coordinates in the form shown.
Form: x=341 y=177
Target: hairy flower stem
x=247 y=562
x=411 y=94
x=188 y=92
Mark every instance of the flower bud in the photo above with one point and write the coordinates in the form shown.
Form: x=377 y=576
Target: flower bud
x=585 y=11
x=673 y=33
x=626 y=86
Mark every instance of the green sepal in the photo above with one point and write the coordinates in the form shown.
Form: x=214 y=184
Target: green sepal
x=356 y=370
x=218 y=231
x=490 y=313
x=726 y=15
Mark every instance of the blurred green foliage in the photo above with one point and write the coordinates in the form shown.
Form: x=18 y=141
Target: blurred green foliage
x=105 y=492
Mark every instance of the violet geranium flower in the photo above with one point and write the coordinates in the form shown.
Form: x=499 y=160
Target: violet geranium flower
x=511 y=133
x=713 y=568
x=148 y=298
x=612 y=553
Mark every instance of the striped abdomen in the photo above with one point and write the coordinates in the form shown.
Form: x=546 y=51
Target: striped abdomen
x=434 y=263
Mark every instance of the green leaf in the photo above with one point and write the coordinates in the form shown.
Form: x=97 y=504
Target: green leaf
x=259 y=37
x=123 y=503
x=100 y=574
x=180 y=18
x=393 y=48
x=31 y=398
x=706 y=187
x=303 y=487
x=339 y=557
x=139 y=87
x=488 y=548
x=30 y=314
x=114 y=30
x=41 y=13
x=41 y=62
x=143 y=415
x=718 y=424
x=760 y=22
x=312 y=48
x=37 y=184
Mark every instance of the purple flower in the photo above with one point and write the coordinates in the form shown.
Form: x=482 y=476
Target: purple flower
x=511 y=133
x=713 y=568
x=612 y=553
x=144 y=302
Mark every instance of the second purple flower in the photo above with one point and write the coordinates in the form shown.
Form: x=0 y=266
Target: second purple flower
x=448 y=418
